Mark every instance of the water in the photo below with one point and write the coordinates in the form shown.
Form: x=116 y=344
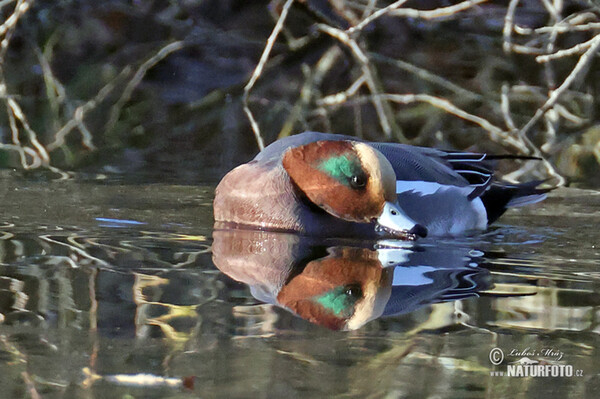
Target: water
x=109 y=289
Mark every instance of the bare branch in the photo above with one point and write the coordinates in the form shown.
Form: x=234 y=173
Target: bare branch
x=496 y=133
x=441 y=12
x=377 y=14
x=427 y=76
x=577 y=49
x=508 y=25
x=342 y=97
x=259 y=68
x=383 y=112
x=393 y=10
x=314 y=79
x=505 y=107
x=18 y=113
x=77 y=120
x=163 y=53
x=20 y=9
x=555 y=94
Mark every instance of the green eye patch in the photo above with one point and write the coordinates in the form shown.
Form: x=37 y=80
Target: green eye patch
x=341 y=168
x=339 y=301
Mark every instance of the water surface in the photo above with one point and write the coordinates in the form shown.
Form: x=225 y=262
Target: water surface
x=103 y=281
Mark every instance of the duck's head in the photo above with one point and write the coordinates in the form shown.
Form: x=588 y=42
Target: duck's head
x=351 y=181
x=341 y=291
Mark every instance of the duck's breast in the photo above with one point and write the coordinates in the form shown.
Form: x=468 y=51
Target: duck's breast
x=259 y=195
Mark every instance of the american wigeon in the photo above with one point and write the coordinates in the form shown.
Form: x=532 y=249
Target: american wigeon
x=332 y=185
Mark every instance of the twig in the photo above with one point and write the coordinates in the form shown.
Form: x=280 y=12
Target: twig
x=564 y=28
x=314 y=79
x=377 y=14
x=164 y=52
x=18 y=113
x=20 y=9
x=16 y=146
x=427 y=76
x=79 y=114
x=393 y=10
x=584 y=60
x=513 y=177
x=505 y=108
x=568 y=115
x=577 y=49
x=495 y=132
x=521 y=49
x=508 y=26
x=552 y=9
x=343 y=96
x=23 y=151
x=368 y=10
x=551 y=122
x=55 y=91
x=383 y=111
x=39 y=155
x=258 y=71
x=436 y=13
x=584 y=21
x=551 y=119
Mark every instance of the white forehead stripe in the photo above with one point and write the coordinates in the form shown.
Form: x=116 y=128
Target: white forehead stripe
x=377 y=165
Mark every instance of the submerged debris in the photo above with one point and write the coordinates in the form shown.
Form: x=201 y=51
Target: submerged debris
x=141 y=380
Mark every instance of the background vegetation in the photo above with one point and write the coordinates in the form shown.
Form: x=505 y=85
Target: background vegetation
x=169 y=88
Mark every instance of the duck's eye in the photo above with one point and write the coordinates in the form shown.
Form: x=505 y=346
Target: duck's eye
x=358 y=181
x=353 y=291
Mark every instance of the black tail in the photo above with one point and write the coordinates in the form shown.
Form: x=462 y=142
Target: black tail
x=499 y=197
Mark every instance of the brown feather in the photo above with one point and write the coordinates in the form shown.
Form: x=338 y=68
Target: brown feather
x=347 y=266
x=340 y=200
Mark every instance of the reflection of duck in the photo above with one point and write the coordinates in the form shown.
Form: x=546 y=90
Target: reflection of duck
x=338 y=286
x=330 y=185
x=343 y=290
x=434 y=275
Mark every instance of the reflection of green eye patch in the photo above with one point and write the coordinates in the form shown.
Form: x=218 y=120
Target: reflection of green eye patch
x=341 y=168
x=340 y=301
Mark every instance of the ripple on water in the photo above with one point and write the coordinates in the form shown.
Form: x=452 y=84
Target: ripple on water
x=82 y=287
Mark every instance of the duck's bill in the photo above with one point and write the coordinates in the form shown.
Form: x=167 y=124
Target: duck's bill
x=392 y=253
x=405 y=235
x=394 y=222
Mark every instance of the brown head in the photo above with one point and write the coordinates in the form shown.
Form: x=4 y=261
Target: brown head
x=344 y=290
x=350 y=180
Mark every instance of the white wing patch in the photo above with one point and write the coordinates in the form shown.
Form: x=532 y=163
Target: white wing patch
x=463 y=216
x=414 y=276
x=428 y=187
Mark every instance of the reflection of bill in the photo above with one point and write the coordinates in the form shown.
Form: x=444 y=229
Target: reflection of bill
x=340 y=286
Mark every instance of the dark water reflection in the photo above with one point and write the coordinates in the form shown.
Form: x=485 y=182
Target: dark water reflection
x=111 y=289
x=343 y=286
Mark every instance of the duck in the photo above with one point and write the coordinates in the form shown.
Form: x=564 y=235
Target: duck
x=341 y=285
x=335 y=286
x=330 y=185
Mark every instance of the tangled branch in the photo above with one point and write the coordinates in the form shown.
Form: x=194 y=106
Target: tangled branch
x=520 y=132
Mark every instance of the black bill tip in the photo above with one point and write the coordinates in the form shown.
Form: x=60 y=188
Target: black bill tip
x=418 y=230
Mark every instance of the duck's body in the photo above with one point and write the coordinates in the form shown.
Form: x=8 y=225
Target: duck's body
x=332 y=185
